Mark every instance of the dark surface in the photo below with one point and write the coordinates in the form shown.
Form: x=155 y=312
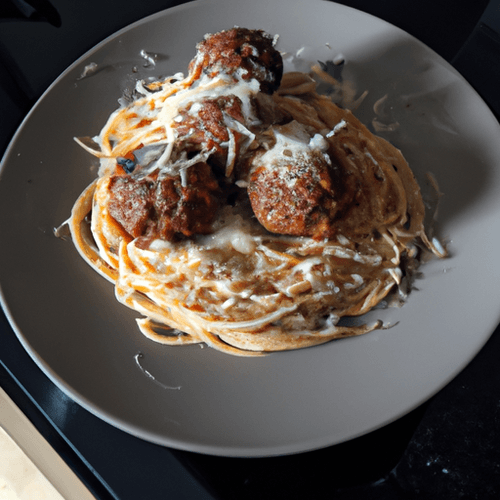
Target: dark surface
x=448 y=448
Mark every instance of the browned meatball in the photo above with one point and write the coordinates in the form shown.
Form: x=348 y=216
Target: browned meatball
x=202 y=124
x=229 y=51
x=296 y=197
x=154 y=207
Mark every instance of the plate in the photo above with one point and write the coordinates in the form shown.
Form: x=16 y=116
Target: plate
x=195 y=398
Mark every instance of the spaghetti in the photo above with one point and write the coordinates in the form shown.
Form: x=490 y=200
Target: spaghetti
x=238 y=207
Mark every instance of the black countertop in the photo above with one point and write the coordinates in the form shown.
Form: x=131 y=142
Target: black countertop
x=448 y=448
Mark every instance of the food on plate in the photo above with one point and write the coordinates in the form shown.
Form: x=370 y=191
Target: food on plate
x=238 y=207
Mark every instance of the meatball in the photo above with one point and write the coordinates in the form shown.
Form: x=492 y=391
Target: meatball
x=242 y=53
x=295 y=197
x=202 y=125
x=165 y=207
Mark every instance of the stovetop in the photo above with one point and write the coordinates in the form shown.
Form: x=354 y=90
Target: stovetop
x=447 y=448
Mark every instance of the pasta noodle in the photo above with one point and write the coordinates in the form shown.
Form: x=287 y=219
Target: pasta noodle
x=238 y=207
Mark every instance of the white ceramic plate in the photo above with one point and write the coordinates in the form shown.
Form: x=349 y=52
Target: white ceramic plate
x=201 y=400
